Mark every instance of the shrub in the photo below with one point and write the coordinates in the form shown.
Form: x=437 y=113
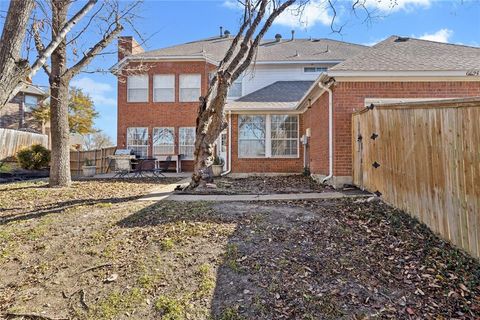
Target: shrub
x=34 y=157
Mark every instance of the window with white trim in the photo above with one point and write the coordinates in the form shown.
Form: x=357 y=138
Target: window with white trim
x=251 y=136
x=163 y=141
x=137 y=88
x=186 y=142
x=268 y=136
x=314 y=69
x=137 y=141
x=30 y=103
x=190 y=87
x=164 y=88
x=284 y=135
x=235 y=90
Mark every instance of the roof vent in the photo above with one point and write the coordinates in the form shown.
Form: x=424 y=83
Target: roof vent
x=278 y=37
x=221 y=31
x=401 y=39
x=227 y=33
x=293 y=34
x=315 y=40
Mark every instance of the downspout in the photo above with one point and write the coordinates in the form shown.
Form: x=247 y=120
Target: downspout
x=330 y=131
x=229 y=145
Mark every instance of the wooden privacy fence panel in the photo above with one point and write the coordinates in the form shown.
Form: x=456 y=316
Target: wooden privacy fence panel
x=98 y=157
x=11 y=141
x=424 y=158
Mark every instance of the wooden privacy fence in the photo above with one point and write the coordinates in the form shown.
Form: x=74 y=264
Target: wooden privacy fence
x=11 y=141
x=98 y=157
x=424 y=158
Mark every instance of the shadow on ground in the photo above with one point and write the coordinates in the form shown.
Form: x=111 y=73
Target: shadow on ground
x=326 y=260
x=58 y=207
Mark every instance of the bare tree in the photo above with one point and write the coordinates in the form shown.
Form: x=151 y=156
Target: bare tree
x=258 y=16
x=96 y=140
x=14 y=69
x=108 y=20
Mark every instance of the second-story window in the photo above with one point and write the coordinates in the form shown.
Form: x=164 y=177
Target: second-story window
x=190 y=85
x=235 y=90
x=164 y=88
x=137 y=88
x=30 y=103
x=314 y=69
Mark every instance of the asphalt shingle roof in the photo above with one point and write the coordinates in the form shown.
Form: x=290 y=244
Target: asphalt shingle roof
x=269 y=50
x=280 y=91
x=408 y=54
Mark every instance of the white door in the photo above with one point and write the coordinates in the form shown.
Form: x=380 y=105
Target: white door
x=222 y=148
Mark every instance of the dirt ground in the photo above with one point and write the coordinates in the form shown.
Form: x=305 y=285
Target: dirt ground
x=93 y=252
x=264 y=185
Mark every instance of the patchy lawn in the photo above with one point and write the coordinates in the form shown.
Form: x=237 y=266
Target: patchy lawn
x=93 y=252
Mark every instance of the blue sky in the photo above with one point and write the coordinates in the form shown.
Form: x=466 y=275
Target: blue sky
x=170 y=22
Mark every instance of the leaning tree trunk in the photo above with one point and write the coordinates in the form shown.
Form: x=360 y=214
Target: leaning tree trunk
x=12 y=68
x=211 y=121
x=59 y=82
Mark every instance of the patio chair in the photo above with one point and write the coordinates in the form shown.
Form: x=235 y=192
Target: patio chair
x=158 y=172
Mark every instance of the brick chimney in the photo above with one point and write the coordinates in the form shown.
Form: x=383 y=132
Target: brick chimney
x=127 y=46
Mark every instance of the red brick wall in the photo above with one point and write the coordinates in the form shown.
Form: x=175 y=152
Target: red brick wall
x=260 y=165
x=349 y=97
x=316 y=118
x=160 y=114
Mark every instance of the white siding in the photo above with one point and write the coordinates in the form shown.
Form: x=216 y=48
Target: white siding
x=264 y=75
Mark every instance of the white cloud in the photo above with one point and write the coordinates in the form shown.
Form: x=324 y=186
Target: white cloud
x=396 y=5
x=231 y=4
x=442 y=35
x=100 y=92
x=305 y=16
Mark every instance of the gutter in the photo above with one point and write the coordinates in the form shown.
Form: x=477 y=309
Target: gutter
x=330 y=130
x=229 y=145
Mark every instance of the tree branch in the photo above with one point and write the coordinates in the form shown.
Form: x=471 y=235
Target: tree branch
x=60 y=36
x=98 y=47
x=42 y=59
x=40 y=47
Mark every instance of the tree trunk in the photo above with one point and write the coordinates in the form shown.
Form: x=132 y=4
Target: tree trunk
x=211 y=121
x=12 y=68
x=59 y=82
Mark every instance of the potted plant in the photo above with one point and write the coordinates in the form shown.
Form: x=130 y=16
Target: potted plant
x=89 y=168
x=217 y=166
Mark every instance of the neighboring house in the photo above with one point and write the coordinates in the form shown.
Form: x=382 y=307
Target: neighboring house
x=157 y=108
x=284 y=96
x=17 y=114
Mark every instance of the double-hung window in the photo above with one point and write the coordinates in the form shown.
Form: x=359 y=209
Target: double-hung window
x=284 y=135
x=137 y=88
x=252 y=136
x=190 y=87
x=163 y=141
x=137 y=141
x=268 y=136
x=30 y=103
x=164 y=88
x=186 y=142
x=235 y=90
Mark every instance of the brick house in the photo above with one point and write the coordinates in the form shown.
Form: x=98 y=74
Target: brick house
x=265 y=127
x=298 y=88
x=17 y=114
